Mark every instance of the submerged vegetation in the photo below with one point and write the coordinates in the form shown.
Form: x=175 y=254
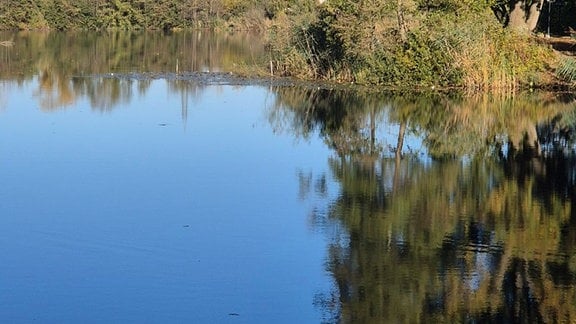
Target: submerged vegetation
x=487 y=45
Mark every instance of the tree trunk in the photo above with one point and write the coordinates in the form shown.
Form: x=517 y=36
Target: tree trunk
x=400 y=143
x=524 y=17
x=402 y=29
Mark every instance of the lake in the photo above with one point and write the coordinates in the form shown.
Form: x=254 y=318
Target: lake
x=142 y=182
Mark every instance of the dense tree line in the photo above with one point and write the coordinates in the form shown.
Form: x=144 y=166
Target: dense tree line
x=130 y=14
x=97 y=14
x=137 y=14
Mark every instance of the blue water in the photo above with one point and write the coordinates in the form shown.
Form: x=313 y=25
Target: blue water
x=135 y=213
x=156 y=197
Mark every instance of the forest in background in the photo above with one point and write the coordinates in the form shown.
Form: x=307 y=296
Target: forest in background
x=478 y=45
x=144 y=14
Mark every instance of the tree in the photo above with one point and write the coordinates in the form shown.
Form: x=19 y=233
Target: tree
x=520 y=15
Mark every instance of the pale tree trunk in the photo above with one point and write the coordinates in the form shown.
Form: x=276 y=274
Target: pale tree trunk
x=534 y=14
x=402 y=29
x=400 y=143
x=523 y=17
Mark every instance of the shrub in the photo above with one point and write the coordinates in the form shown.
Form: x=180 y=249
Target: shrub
x=447 y=45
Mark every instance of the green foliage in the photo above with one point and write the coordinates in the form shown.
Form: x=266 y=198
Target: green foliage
x=358 y=42
x=149 y=14
x=120 y=14
x=61 y=15
x=445 y=43
x=567 y=70
x=25 y=14
x=421 y=62
x=456 y=5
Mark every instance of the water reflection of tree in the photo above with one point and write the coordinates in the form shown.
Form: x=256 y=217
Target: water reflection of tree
x=64 y=62
x=187 y=89
x=489 y=239
x=346 y=123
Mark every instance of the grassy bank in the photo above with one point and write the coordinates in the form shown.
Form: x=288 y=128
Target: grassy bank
x=465 y=48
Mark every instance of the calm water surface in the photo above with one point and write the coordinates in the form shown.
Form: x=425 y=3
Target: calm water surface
x=187 y=196
x=134 y=215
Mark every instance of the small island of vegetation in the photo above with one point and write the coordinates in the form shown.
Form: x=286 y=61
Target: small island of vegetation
x=477 y=45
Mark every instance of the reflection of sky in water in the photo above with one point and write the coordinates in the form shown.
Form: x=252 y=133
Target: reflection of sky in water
x=481 y=270
x=158 y=197
x=131 y=200
x=132 y=216
x=485 y=251
x=388 y=134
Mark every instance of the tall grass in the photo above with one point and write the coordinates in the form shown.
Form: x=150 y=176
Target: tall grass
x=491 y=58
x=444 y=51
